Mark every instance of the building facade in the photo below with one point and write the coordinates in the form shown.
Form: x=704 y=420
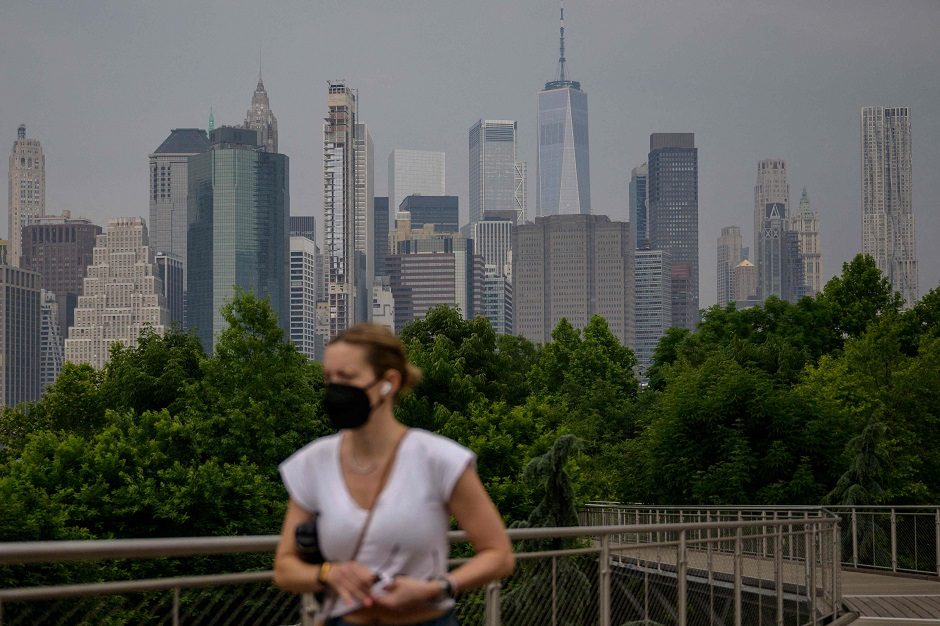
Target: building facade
x=364 y=215
x=492 y=239
x=20 y=335
x=772 y=188
x=563 y=169
x=806 y=225
x=496 y=176
x=170 y=273
x=887 y=211
x=122 y=295
x=239 y=208
x=780 y=266
x=61 y=248
x=26 y=196
x=261 y=119
x=51 y=340
x=496 y=300
x=730 y=253
x=638 y=213
x=169 y=190
x=303 y=297
x=415 y=172
x=380 y=231
x=672 y=210
x=744 y=280
x=572 y=267
x=653 y=295
x=440 y=211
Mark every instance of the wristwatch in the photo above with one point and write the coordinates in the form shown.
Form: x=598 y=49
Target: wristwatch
x=447 y=589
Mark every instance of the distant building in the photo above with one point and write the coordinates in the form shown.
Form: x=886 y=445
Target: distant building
x=564 y=179
x=496 y=176
x=4 y=246
x=364 y=215
x=122 y=295
x=772 y=189
x=260 y=118
x=653 y=296
x=744 y=282
x=888 y=234
x=170 y=272
x=415 y=173
x=239 y=205
x=380 y=226
x=730 y=253
x=169 y=190
x=493 y=241
x=383 y=303
x=26 y=190
x=672 y=209
x=441 y=211
x=806 y=225
x=303 y=226
x=780 y=266
x=20 y=328
x=496 y=300
x=51 y=340
x=638 y=213
x=303 y=297
x=572 y=267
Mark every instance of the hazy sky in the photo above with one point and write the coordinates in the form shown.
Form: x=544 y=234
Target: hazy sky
x=101 y=83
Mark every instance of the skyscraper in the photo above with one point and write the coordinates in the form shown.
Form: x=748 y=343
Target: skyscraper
x=653 y=305
x=496 y=300
x=492 y=239
x=563 y=169
x=170 y=272
x=638 y=214
x=672 y=210
x=771 y=188
x=20 y=319
x=380 y=228
x=51 y=340
x=745 y=284
x=121 y=297
x=414 y=172
x=261 y=118
x=60 y=248
x=494 y=169
x=169 y=190
x=572 y=267
x=339 y=215
x=806 y=225
x=364 y=214
x=239 y=205
x=887 y=212
x=441 y=211
x=729 y=255
x=780 y=267
x=26 y=197
x=303 y=296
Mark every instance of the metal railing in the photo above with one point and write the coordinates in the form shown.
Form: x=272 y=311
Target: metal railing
x=721 y=571
x=899 y=539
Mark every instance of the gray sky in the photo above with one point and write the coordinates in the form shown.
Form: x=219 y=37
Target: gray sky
x=101 y=83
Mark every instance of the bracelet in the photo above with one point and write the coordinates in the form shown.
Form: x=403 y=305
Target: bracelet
x=448 y=589
x=325 y=568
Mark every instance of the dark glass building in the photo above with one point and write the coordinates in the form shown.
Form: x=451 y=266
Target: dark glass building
x=380 y=223
x=239 y=205
x=672 y=217
x=438 y=210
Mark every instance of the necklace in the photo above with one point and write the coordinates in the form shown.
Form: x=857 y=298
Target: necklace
x=357 y=467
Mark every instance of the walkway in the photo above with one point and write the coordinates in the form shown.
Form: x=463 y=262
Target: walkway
x=884 y=599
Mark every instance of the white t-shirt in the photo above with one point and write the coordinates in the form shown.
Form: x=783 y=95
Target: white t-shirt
x=408 y=532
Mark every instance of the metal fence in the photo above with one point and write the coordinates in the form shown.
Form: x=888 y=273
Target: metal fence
x=726 y=570
x=900 y=539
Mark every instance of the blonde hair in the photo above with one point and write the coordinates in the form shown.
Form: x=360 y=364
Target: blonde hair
x=384 y=351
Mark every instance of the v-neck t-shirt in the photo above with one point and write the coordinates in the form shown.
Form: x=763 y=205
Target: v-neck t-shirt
x=408 y=532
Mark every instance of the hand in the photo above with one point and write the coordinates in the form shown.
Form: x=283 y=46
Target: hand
x=404 y=591
x=352 y=581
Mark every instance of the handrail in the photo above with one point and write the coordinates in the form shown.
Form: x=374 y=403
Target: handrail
x=757 y=507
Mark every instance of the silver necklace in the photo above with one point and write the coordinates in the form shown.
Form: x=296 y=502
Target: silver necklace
x=357 y=467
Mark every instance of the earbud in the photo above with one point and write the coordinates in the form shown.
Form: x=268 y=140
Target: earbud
x=385 y=389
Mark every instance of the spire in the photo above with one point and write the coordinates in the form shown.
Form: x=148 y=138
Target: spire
x=21 y=132
x=211 y=120
x=260 y=86
x=804 y=202
x=561 y=45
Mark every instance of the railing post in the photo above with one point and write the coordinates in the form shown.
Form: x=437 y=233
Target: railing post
x=778 y=573
x=811 y=569
x=491 y=609
x=604 y=581
x=681 y=581
x=836 y=568
x=937 y=538
x=554 y=591
x=894 y=541
x=176 y=606
x=738 y=564
x=308 y=609
x=855 y=539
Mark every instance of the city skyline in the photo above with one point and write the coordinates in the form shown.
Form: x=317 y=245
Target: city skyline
x=791 y=88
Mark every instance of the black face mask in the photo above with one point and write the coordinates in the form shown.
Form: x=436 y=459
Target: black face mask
x=347 y=406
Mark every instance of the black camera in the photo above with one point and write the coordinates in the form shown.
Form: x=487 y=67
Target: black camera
x=308 y=542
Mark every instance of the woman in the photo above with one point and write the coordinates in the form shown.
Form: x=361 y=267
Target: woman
x=382 y=495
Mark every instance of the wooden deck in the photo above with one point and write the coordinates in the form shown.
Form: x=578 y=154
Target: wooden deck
x=885 y=599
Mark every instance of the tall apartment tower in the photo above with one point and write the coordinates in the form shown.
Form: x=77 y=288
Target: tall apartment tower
x=364 y=215
x=638 y=213
x=121 y=297
x=169 y=190
x=730 y=248
x=887 y=212
x=771 y=188
x=494 y=170
x=20 y=319
x=303 y=296
x=572 y=267
x=61 y=248
x=261 y=118
x=672 y=209
x=653 y=295
x=26 y=197
x=779 y=266
x=339 y=214
x=563 y=169
x=806 y=225
x=239 y=209
x=414 y=172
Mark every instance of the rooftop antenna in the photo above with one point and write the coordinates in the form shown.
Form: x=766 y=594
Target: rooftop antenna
x=211 y=120
x=561 y=44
